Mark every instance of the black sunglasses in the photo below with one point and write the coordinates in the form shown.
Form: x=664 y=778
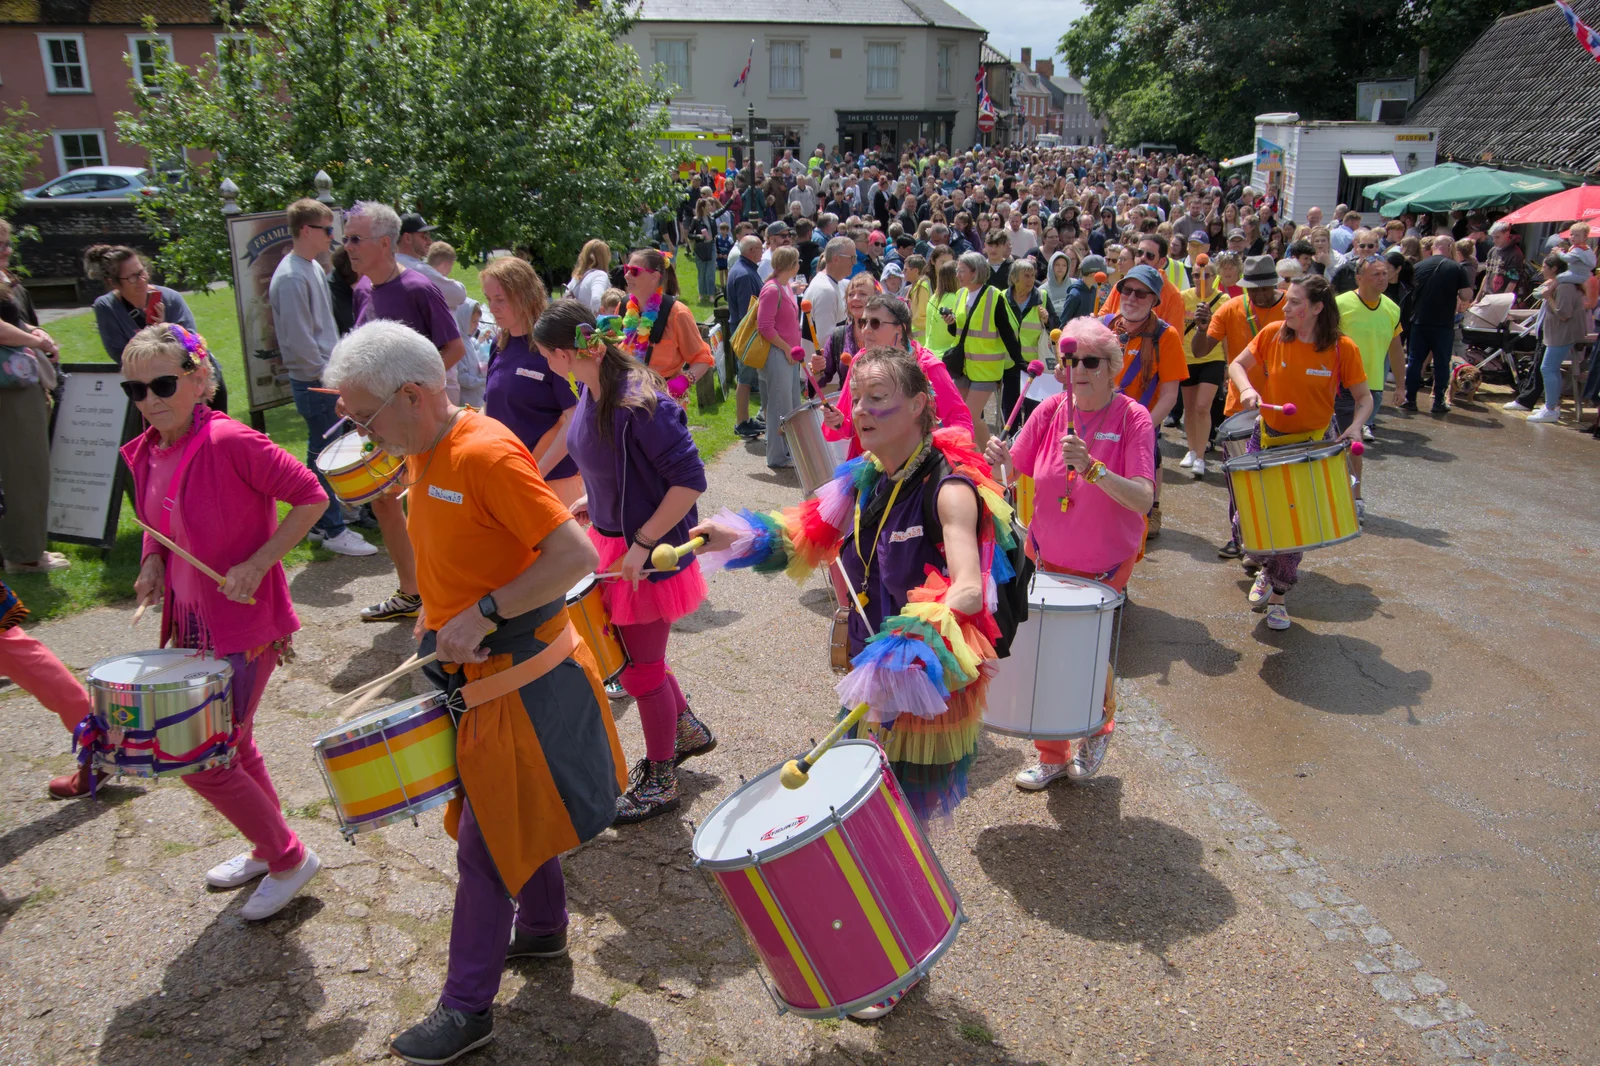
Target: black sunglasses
x=1088 y=362
x=163 y=386
x=875 y=323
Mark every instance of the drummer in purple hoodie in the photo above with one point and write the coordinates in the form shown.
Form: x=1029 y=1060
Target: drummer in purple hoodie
x=212 y=485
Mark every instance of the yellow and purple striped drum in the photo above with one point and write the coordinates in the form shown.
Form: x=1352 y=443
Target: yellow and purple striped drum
x=357 y=469
x=391 y=764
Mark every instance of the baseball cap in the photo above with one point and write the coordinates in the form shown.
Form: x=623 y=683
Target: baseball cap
x=1289 y=269
x=778 y=229
x=1199 y=237
x=411 y=222
x=1092 y=263
x=1236 y=233
x=1260 y=272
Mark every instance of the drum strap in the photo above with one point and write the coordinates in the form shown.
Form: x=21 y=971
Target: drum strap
x=526 y=672
x=163 y=520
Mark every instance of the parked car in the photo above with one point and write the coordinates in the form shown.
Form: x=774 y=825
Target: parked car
x=96 y=183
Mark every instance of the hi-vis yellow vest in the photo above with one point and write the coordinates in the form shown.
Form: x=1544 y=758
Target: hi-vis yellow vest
x=980 y=315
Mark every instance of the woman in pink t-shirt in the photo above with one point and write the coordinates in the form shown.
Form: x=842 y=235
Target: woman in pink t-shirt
x=1091 y=453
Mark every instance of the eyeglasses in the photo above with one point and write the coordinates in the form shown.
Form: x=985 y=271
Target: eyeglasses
x=1146 y=257
x=142 y=275
x=351 y=240
x=1136 y=294
x=366 y=426
x=327 y=229
x=1088 y=362
x=634 y=271
x=875 y=323
x=163 y=386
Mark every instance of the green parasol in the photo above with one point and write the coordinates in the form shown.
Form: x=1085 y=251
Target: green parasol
x=1471 y=189
x=1383 y=191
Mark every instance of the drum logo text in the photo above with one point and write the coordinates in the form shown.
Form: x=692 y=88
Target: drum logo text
x=785 y=827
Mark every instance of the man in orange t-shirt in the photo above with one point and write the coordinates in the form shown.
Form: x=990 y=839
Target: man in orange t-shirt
x=1305 y=361
x=1152 y=251
x=1153 y=362
x=1236 y=323
x=537 y=755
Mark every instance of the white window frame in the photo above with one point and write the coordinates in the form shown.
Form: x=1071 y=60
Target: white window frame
x=686 y=86
x=49 y=67
x=898 y=45
x=216 y=49
x=136 y=39
x=799 y=45
x=61 y=153
x=945 y=81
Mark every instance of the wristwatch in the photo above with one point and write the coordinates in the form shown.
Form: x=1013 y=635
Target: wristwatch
x=491 y=610
x=1095 y=472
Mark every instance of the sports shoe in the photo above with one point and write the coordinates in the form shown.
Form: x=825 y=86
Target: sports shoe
x=1277 y=616
x=1155 y=521
x=749 y=429
x=1039 y=775
x=1439 y=408
x=1367 y=434
x=615 y=691
x=1170 y=422
x=239 y=870
x=1361 y=511
x=349 y=542
x=528 y=946
x=1545 y=414
x=47 y=562
x=75 y=784
x=654 y=791
x=1088 y=755
x=444 y=1036
x=1514 y=405
x=1230 y=550
x=398 y=606
x=1409 y=405
x=694 y=737
x=273 y=894
x=316 y=536
x=1187 y=461
x=1260 y=590
x=1199 y=469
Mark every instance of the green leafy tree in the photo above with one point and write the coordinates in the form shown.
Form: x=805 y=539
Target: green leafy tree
x=19 y=153
x=511 y=123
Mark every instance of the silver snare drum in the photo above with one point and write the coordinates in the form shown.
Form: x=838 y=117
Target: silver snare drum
x=1233 y=436
x=814 y=455
x=166 y=713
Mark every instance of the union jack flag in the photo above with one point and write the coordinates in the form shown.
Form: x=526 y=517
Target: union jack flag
x=985 y=104
x=1582 y=30
x=744 y=75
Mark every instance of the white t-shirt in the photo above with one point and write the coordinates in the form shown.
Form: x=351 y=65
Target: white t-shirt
x=827 y=304
x=590 y=288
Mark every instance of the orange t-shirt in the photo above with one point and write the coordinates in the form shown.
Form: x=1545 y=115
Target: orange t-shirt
x=1169 y=308
x=1231 y=324
x=681 y=345
x=477 y=510
x=1170 y=364
x=1297 y=373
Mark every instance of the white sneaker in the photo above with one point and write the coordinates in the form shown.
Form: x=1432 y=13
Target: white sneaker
x=1187 y=461
x=1277 y=616
x=1260 y=590
x=1037 y=777
x=238 y=870
x=1367 y=434
x=1199 y=468
x=273 y=894
x=1545 y=414
x=1512 y=406
x=349 y=542
x=1361 y=511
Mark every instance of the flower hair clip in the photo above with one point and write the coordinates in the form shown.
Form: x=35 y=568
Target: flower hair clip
x=192 y=342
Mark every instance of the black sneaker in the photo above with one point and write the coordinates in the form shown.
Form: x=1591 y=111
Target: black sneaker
x=1409 y=405
x=694 y=738
x=1230 y=550
x=527 y=946
x=654 y=791
x=444 y=1036
x=1440 y=408
x=398 y=606
x=749 y=429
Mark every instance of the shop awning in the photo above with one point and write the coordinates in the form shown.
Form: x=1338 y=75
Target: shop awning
x=1239 y=160
x=1370 y=166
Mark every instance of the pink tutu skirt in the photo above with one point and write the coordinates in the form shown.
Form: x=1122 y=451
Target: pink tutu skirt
x=655 y=601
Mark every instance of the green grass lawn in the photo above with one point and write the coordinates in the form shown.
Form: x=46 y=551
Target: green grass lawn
x=96 y=578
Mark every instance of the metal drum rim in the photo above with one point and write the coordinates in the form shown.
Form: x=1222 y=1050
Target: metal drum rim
x=584 y=586
x=1269 y=552
x=366 y=825
x=802 y=409
x=1283 y=455
x=1116 y=601
x=224 y=675
x=1036 y=735
x=351 y=731
x=823 y=825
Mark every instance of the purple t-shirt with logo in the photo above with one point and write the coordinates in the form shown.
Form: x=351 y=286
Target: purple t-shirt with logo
x=412 y=300
x=527 y=397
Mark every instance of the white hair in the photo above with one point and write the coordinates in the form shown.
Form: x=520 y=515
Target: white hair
x=381 y=356
x=385 y=223
x=978 y=264
x=1498 y=228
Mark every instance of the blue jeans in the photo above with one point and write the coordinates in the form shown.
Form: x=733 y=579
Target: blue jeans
x=706 y=273
x=1438 y=340
x=1550 y=368
x=319 y=411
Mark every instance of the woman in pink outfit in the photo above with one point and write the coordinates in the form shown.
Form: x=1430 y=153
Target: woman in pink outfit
x=212 y=485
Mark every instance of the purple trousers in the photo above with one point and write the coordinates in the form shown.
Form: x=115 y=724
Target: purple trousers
x=480 y=930
x=1282 y=570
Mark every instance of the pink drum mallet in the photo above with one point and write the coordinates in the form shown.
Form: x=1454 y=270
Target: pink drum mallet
x=1356 y=447
x=1287 y=408
x=1035 y=370
x=798 y=355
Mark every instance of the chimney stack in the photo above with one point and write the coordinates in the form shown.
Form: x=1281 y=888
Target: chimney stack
x=1027 y=59
x=1045 y=67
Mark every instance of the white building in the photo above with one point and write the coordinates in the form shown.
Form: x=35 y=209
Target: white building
x=850 y=73
x=1324 y=164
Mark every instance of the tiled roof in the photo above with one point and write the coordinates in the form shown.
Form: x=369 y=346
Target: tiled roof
x=989 y=55
x=106 y=12
x=1068 y=84
x=817 y=12
x=1526 y=92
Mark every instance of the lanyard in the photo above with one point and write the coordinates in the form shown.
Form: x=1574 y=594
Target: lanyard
x=872 y=553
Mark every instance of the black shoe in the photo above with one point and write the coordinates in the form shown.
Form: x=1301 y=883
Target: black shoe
x=528 y=946
x=1409 y=405
x=694 y=738
x=444 y=1036
x=749 y=429
x=1230 y=550
x=654 y=791
x=1440 y=408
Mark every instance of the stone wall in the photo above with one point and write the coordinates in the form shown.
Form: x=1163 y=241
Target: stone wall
x=66 y=228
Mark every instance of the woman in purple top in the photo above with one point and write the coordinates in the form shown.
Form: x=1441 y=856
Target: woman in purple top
x=644 y=475
x=522 y=392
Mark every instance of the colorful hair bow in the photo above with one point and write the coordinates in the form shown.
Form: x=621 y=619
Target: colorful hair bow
x=607 y=329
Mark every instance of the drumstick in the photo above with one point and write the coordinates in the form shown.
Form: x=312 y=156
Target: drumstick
x=798 y=355
x=377 y=684
x=796 y=771
x=1201 y=261
x=191 y=560
x=138 y=614
x=1035 y=371
x=1099 y=280
x=855 y=597
x=335 y=427
x=667 y=557
x=616 y=575
x=1287 y=408
x=1356 y=447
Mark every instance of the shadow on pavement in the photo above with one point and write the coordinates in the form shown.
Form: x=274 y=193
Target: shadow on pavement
x=818 y=602
x=1152 y=640
x=1106 y=877
x=66 y=817
x=322 y=586
x=569 y=1027
x=391 y=646
x=925 y=1028
x=1319 y=598
x=1339 y=674
x=1199 y=549
x=237 y=981
x=706 y=617
x=995 y=762
x=1394 y=529
x=1394 y=442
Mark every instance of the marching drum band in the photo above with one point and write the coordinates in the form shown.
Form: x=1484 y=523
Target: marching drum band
x=955 y=612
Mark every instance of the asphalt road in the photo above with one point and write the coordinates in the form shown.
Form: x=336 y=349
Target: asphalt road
x=1426 y=728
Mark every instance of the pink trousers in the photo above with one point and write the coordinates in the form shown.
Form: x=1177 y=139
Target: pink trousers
x=649 y=681
x=34 y=667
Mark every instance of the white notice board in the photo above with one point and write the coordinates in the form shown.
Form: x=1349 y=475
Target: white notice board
x=88 y=427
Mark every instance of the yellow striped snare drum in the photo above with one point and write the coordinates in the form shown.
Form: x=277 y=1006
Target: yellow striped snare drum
x=1293 y=497
x=391 y=764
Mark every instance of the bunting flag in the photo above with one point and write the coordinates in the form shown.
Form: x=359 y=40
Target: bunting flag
x=1582 y=30
x=744 y=75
